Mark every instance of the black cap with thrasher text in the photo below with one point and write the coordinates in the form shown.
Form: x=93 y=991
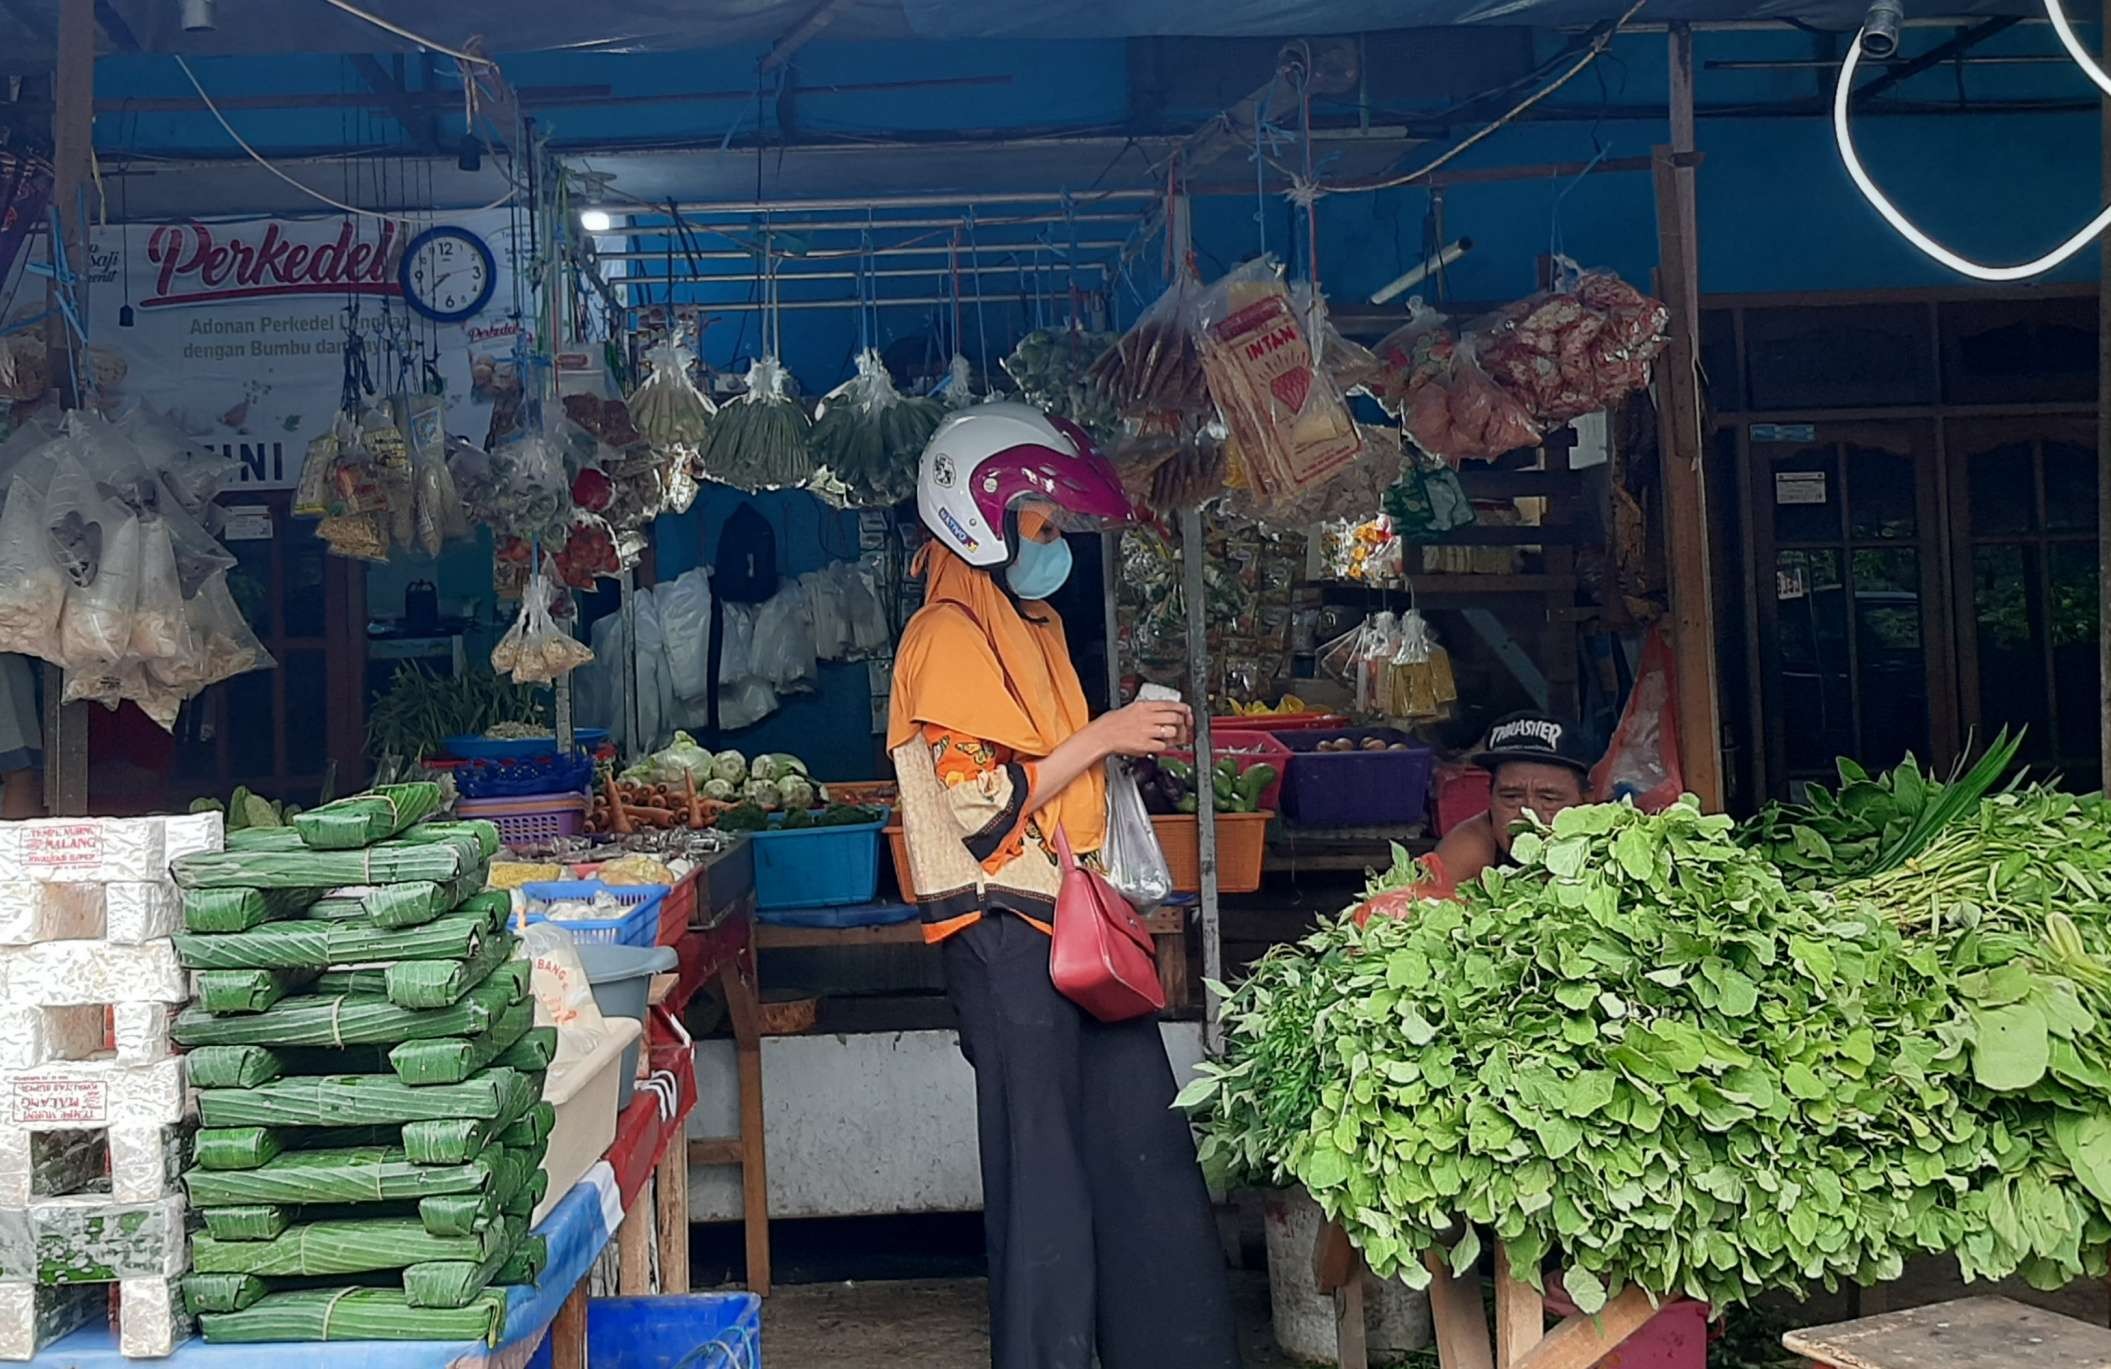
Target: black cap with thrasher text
x=1539 y=738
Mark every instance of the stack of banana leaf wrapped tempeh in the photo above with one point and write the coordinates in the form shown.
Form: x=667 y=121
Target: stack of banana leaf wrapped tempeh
x=369 y=1079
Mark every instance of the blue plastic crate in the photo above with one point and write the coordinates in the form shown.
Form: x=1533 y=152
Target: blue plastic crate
x=837 y=919
x=639 y=926
x=671 y=1331
x=817 y=867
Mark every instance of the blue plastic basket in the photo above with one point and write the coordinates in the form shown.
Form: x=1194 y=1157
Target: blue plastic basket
x=469 y=748
x=639 y=925
x=671 y=1331
x=545 y=774
x=817 y=867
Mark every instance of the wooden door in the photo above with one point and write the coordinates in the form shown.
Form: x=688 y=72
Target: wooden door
x=2023 y=525
x=1848 y=598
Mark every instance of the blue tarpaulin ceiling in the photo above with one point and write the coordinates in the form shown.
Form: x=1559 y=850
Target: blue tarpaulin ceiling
x=264 y=26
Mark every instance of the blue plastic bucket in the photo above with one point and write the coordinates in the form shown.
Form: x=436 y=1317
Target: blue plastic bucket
x=676 y=1331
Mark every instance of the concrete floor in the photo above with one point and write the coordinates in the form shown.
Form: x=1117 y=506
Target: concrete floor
x=931 y=1324
x=943 y=1323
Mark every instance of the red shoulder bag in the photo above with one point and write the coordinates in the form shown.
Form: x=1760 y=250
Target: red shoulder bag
x=1101 y=956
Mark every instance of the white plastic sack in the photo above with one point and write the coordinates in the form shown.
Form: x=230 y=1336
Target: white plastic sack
x=597 y=685
x=32 y=588
x=869 y=633
x=828 y=605
x=656 y=701
x=745 y=703
x=737 y=652
x=685 y=618
x=784 y=642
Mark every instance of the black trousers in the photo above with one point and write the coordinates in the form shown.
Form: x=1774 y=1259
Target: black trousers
x=1098 y=1223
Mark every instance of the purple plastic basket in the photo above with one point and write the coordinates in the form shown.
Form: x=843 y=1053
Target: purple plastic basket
x=1356 y=788
x=529 y=821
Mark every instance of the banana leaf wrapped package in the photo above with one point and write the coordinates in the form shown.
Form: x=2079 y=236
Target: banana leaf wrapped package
x=439 y=852
x=452 y=1061
x=495 y=1096
x=363 y=819
x=245 y=1067
x=318 y=1020
x=322 y=1314
x=442 y=1214
x=420 y=983
x=238 y=909
x=527 y=1262
x=305 y=945
x=359 y=1175
x=341 y=1248
x=394 y=907
x=248 y=991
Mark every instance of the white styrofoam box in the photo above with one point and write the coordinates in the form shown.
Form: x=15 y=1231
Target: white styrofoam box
x=145 y=1161
x=186 y=834
x=140 y=1030
x=29 y=1035
x=140 y=911
x=582 y=1087
x=60 y=974
x=103 y=850
x=151 y=1321
x=32 y=1317
x=70 y=1094
x=141 y=1240
x=31 y=911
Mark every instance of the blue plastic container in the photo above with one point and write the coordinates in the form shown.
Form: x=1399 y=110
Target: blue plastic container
x=639 y=925
x=685 y=1330
x=817 y=867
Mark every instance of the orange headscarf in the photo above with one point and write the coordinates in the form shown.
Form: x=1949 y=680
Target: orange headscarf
x=972 y=662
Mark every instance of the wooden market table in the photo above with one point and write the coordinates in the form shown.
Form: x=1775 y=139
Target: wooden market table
x=1970 y=1333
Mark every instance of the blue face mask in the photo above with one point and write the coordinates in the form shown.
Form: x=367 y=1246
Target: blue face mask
x=1039 y=569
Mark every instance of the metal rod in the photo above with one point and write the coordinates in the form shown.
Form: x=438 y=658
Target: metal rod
x=751 y=209
x=1198 y=676
x=884 y=302
x=866 y=225
x=906 y=272
x=851 y=254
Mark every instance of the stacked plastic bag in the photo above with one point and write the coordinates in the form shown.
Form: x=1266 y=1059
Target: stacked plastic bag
x=106 y=565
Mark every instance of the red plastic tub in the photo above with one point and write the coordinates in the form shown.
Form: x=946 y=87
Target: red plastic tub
x=1462 y=794
x=1277 y=722
x=1247 y=748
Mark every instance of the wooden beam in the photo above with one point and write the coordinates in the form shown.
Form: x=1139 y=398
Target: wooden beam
x=568 y=1331
x=634 y=1241
x=1520 y=1314
x=1581 y=1341
x=1461 y=1323
x=670 y=1190
x=1681 y=448
x=417 y=122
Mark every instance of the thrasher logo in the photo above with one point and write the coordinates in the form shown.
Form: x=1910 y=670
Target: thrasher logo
x=1540 y=730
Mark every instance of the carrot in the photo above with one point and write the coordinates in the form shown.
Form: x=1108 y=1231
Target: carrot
x=618 y=820
x=696 y=811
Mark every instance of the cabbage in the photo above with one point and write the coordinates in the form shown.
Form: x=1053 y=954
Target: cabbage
x=763 y=794
x=730 y=766
x=721 y=790
x=776 y=766
x=682 y=756
x=798 y=791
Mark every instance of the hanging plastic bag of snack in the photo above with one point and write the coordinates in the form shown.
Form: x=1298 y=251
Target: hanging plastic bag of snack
x=32 y=584
x=1292 y=426
x=535 y=650
x=1153 y=372
x=1574 y=349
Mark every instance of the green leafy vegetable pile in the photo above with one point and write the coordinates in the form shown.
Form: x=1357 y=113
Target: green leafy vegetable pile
x=1647 y=1058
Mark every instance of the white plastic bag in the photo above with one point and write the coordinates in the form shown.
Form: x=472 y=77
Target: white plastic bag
x=745 y=703
x=827 y=603
x=784 y=641
x=737 y=652
x=564 y=999
x=656 y=701
x=869 y=633
x=685 y=617
x=32 y=587
x=1135 y=863
x=535 y=650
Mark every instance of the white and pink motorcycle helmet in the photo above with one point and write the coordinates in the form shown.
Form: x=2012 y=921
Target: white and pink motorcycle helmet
x=995 y=459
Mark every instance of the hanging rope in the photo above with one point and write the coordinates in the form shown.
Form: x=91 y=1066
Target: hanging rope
x=982 y=332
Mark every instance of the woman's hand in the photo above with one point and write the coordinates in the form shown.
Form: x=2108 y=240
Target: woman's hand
x=1144 y=728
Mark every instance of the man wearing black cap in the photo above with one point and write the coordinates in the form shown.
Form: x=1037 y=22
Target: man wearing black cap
x=1538 y=763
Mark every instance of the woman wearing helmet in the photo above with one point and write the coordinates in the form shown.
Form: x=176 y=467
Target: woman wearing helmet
x=1098 y=1225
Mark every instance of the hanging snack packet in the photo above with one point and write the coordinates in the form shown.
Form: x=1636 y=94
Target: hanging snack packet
x=1154 y=371
x=1291 y=424
x=535 y=650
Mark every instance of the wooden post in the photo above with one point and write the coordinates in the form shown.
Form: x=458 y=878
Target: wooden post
x=1461 y=1322
x=72 y=138
x=568 y=1331
x=738 y=984
x=670 y=1191
x=1682 y=446
x=1520 y=1314
x=2103 y=458
x=634 y=1250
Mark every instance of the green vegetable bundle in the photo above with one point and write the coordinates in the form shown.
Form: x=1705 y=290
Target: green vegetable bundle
x=311 y=1020
x=349 y=823
x=438 y=852
x=422 y=709
x=869 y=437
x=759 y=440
x=1641 y=1050
x=238 y=909
x=461 y=935
x=322 y=1314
